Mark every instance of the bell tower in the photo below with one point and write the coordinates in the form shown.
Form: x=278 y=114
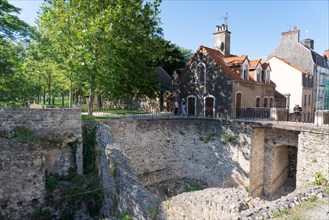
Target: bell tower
x=222 y=38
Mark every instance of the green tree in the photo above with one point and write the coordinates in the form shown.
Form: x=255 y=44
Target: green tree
x=105 y=46
x=172 y=57
x=14 y=87
x=11 y=27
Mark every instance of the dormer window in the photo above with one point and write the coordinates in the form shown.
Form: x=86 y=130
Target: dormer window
x=267 y=75
x=263 y=76
x=244 y=72
x=258 y=75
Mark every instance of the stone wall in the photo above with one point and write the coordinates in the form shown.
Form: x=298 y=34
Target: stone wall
x=22 y=175
x=313 y=154
x=24 y=163
x=213 y=151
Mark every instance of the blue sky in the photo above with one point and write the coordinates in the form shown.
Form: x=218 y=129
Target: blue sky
x=255 y=26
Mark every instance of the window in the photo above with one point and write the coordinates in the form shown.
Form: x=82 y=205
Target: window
x=309 y=100
x=258 y=75
x=246 y=72
x=271 y=102
x=257 y=102
x=267 y=76
x=263 y=76
x=265 y=102
x=201 y=73
x=305 y=97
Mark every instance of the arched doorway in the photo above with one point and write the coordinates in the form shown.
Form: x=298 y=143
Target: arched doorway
x=238 y=101
x=283 y=171
x=209 y=106
x=191 y=105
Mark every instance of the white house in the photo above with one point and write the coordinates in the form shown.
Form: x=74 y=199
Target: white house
x=292 y=79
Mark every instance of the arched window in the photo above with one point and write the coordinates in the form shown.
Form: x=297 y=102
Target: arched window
x=271 y=102
x=201 y=72
x=257 y=102
x=265 y=102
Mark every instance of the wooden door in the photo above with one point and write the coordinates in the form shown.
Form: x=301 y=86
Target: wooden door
x=209 y=107
x=191 y=106
x=238 y=104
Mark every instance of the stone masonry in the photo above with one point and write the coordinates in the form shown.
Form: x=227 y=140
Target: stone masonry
x=23 y=165
x=162 y=149
x=213 y=151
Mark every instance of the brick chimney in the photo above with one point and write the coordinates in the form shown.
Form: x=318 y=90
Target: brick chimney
x=290 y=35
x=308 y=43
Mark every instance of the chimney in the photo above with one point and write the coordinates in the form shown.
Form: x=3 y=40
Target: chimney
x=290 y=36
x=308 y=43
x=222 y=39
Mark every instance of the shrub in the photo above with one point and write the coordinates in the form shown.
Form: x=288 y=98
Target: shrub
x=320 y=180
x=51 y=183
x=25 y=134
x=229 y=138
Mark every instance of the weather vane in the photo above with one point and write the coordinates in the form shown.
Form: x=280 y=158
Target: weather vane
x=225 y=19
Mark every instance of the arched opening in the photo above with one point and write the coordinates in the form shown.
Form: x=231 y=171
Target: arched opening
x=283 y=171
x=209 y=106
x=257 y=102
x=191 y=105
x=238 y=104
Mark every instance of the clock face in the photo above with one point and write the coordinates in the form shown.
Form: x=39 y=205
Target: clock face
x=217 y=44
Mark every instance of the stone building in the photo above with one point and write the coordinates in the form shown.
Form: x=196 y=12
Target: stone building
x=302 y=55
x=216 y=83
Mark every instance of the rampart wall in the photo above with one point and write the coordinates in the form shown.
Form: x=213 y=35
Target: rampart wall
x=24 y=163
x=213 y=151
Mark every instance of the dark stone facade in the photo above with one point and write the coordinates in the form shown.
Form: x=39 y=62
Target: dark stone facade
x=217 y=84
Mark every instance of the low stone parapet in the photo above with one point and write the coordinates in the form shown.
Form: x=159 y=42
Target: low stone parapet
x=321 y=117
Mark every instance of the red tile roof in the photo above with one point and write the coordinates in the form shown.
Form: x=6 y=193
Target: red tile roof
x=226 y=64
x=254 y=63
x=235 y=60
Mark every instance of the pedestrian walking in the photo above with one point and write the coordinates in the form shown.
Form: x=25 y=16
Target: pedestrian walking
x=176 y=107
x=184 y=108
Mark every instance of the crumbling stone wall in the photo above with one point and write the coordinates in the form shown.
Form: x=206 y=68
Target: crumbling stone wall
x=22 y=174
x=23 y=164
x=213 y=151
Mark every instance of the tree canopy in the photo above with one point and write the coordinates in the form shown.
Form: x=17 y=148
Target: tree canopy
x=109 y=48
x=104 y=46
x=13 y=33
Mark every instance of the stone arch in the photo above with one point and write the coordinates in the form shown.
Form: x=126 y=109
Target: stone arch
x=191 y=105
x=283 y=171
x=209 y=105
x=265 y=152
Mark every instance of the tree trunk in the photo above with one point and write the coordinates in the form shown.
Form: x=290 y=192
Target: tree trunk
x=44 y=97
x=70 y=94
x=99 y=101
x=63 y=99
x=49 y=92
x=91 y=96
